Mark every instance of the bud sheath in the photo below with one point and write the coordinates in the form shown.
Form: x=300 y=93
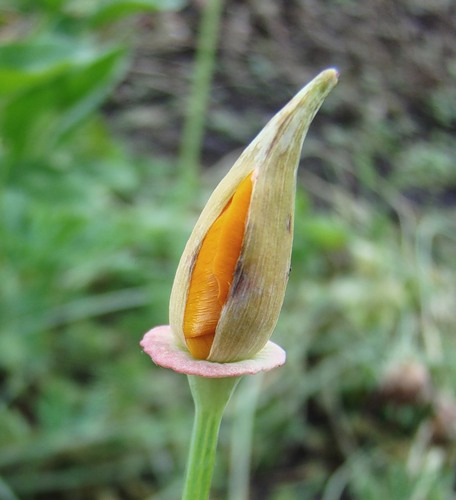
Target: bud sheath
x=230 y=282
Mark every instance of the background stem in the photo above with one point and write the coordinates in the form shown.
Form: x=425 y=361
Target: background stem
x=241 y=437
x=192 y=135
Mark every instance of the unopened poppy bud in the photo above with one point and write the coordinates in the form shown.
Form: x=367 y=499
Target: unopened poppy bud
x=231 y=279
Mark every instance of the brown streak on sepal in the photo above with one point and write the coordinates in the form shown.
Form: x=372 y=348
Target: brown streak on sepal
x=193 y=262
x=288 y=273
x=240 y=281
x=278 y=135
x=289 y=223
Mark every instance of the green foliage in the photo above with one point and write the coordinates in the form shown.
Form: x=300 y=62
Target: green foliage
x=90 y=236
x=87 y=261
x=112 y=10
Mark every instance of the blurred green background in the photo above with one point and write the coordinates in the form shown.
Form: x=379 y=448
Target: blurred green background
x=97 y=202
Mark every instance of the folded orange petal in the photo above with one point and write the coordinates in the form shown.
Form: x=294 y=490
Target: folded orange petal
x=213 y=272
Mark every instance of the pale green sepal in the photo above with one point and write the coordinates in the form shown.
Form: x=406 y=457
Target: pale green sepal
x=257 y=292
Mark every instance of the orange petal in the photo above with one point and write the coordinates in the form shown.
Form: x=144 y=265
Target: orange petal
x=200 y=346
x=213 y=272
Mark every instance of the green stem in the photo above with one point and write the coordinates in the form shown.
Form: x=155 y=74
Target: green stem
x=210 y=396
x=192 y=135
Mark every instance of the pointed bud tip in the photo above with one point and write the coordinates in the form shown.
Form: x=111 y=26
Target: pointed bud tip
x=329 y=76
x=332 y=73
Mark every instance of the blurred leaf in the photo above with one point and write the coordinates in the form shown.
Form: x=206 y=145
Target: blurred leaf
x=325 y=233
x=34 y=121
x=28 y=63
x=112 y=10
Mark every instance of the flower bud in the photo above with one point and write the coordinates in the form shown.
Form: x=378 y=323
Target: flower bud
x=231 y=279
